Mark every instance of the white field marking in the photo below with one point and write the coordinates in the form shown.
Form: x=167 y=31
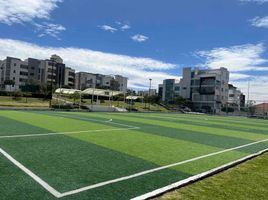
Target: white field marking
x=95 y=120
x=196 y=177
x=31 y=174
x=67 y=133
x=177 y=118
x=154 y=170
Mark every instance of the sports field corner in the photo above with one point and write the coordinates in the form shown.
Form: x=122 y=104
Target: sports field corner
x=75 y=155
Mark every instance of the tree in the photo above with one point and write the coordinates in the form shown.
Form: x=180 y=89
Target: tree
x=153 y=99
x=75 y=96
x=10 y=83
x=27 y=95
x=251 y=108
x=17 y=95
x=183 y=102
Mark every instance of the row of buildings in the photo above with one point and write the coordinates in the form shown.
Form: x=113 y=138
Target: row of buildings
x=53 y=71
x=208 y=89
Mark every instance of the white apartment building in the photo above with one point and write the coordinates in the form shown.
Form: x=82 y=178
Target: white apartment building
x=34 y=71
x=208 y=88
x=150 y=92
x=236 y=98
x=169 y=90
x=84 y=80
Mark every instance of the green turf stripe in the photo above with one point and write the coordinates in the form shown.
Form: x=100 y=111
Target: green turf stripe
x=208 y=122
x=14 y=127
x=16 y=185
x=205 y=122
x=229 y=120
x=67 y=163
x=189 y=127
x=192 y=136
x=54 y=123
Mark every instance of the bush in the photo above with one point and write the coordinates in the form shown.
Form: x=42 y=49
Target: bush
x=17 y=95
x=229 y=109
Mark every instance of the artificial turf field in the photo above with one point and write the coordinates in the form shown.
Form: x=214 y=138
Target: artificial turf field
x=51 y=155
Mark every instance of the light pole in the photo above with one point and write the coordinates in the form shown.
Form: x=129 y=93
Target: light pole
x=113 y=77
x=53 y=62
x=80 y=102
x=150 y=92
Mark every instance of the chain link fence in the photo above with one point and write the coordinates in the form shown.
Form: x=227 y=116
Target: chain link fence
x=252 y=109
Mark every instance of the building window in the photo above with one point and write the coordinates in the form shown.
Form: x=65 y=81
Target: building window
x=14 y=71
x=24 y=67
x=24 y=73
x=15 y=64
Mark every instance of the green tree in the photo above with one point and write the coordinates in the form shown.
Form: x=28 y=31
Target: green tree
x=75 y=96
x=183 y=102
x=10 y=83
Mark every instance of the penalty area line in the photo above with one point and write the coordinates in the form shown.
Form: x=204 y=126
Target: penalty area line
x=67 y=133
x=154 y=193
x=44 y=184
x=156 y=169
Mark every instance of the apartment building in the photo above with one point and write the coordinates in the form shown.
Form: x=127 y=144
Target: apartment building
x=85 y=80
x=170 y=89
x=207 y=88
x=236 y=99
x=150 y=92
x=34 y=71
x=16 y=70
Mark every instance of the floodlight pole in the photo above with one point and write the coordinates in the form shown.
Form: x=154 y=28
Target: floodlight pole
x=113 y=76
x=80 y=102
x=248 y=90
x=150 y=92
x=53 y=61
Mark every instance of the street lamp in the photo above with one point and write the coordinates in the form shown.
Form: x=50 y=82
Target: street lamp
x=53 y=62
x=150 y=92
x=113 y=76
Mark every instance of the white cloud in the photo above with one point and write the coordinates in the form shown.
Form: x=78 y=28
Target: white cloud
x=20 y=11
x=239 y=59
x=238 y=76
x=261 y=22
x=125 y=27
x=108 y=28
x=258 y=88
x=138 y=70
x=255 y=1
x=139 y=38
x=49 y=29
x=235 y=58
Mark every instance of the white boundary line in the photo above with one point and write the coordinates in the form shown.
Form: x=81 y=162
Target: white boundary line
x=76 y=132
x=59 y=195
x=67 y=133
x=31 y=174
x=94 y=120
x=155 y=169
x=197 y=177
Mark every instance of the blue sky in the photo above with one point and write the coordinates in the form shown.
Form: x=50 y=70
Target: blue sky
x=143 y=39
